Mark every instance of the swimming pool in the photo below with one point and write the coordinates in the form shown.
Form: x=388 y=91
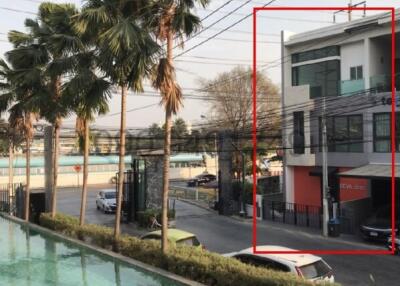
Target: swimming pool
x=32 y=258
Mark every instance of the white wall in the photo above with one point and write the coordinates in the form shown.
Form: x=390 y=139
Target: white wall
x=380 y=57
x=352 y=54
x=64 y=180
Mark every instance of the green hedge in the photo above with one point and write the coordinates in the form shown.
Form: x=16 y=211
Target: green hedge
x=193 y=263
x=144 y=216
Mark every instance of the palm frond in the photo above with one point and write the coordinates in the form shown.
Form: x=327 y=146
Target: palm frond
x=164 y=80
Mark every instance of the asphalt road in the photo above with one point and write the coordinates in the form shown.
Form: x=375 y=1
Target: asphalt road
x=223 y=234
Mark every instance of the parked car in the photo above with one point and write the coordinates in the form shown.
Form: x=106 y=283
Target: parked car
x=396 y=244
x=176 y=236
x=307 y=266
x=106 y=201
x=201 y=180
x=379 y=226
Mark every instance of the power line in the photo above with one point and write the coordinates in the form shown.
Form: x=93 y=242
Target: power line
x=222 y=31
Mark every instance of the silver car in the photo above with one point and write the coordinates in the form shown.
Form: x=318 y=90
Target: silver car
x=106 y=201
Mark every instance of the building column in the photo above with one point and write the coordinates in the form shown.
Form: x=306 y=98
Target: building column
x=367 y=63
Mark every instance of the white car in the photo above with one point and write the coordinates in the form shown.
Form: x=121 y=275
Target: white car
x=307 y=266
x=106 y=201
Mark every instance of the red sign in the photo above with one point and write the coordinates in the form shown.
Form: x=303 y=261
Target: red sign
x=77 y=168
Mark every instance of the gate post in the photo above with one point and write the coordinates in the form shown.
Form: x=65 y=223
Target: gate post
x=307 y=217
x=295 y=214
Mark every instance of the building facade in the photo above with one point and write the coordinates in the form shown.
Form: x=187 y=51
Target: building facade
x=341 y=73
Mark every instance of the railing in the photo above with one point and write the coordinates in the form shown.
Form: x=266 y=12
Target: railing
x=351 y=86
x=197 y=194
x=307 y=216
x=383 y=82
x=8 y=198
x=291 y=213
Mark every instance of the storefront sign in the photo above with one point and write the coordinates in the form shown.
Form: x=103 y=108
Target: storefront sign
x=353 y=188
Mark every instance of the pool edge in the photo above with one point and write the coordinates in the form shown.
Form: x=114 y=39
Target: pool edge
x=112 y=254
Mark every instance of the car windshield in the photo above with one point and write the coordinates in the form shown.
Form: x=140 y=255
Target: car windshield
x=314 y=270
x=190 y=241
x=110 y=195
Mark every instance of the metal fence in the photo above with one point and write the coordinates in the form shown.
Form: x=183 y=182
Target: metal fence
x=307 y=216
x=8 y=201
x=197 y=194
x=290 y=213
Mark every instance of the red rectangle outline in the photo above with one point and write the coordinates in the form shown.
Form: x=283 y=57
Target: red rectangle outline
x=254 y=130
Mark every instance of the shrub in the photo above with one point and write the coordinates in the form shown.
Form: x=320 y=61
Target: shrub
x=144 y=216
x=193 y=263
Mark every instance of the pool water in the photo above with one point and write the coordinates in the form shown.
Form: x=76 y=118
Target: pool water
x=34 y=259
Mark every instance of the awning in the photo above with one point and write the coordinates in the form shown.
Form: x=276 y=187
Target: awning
x=372 y=171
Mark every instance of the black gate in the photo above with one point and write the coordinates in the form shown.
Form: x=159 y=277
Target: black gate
x=10 y=200
x=134 y=191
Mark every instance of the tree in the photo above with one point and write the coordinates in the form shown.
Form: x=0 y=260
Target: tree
x=126 y=54
x=232 y=107
x=170 y=20
x=88 y=94
x=52 y=31
x=179 y=128
x=23 y=82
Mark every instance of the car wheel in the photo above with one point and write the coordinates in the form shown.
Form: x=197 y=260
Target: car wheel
x=98 y=208
x=104 y=210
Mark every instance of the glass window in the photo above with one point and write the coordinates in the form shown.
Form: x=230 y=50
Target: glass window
x=298 y=136
x=322 y=77
x=314 y=270
x=356 y=73
x=382 y=132
x=316 y=54
x=190 y=241
x=344 y=133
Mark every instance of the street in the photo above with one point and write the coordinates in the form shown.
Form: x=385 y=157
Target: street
x=224 y=234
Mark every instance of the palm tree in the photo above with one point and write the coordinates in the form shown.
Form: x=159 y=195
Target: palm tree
x=170 y=20
x=126 y=53
x=88 y=94
x=24 y=81
x=53 y=32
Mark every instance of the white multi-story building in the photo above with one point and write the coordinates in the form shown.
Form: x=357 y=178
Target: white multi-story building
x=344 y=69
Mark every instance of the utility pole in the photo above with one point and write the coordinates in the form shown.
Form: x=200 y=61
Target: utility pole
x=215 y=154
x=325 y=186
x=242 y=208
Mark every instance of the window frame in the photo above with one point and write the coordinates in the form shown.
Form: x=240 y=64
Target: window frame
x=332 y=140
x=358 y=72
x=376 y=138
x=298 y=132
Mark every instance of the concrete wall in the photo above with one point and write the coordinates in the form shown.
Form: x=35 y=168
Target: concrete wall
x=64 y=180
x=297 y=96
x=352 y=54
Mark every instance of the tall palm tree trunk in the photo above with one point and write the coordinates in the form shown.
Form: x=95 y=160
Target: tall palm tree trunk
x=57 y=125
x=11 y=175
x=55 y=169
x=124 y=90
x=86 y=144
x=167 y=153
x=28 y=176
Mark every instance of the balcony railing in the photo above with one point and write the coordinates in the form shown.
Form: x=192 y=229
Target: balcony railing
x=348 y=87
x=383 y=82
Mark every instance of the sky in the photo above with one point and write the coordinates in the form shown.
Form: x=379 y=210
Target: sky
x=232 y=47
